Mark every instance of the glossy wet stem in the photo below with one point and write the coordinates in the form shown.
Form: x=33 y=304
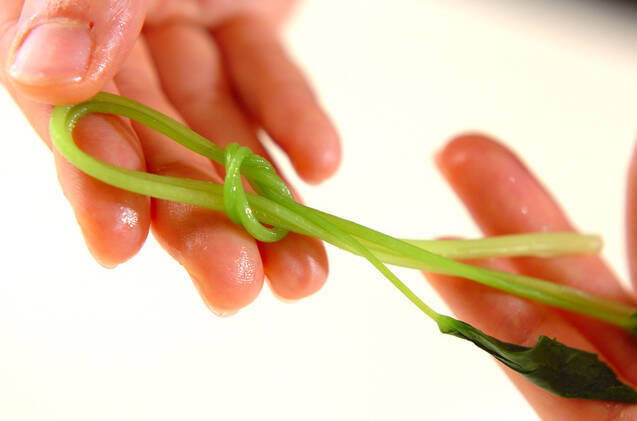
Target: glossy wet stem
x=274 y=206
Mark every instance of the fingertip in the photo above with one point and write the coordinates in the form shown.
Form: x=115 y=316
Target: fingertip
x=316 y=155
x=225 y=267
x=114 y=232
x=461 y=149
x=296 y=266
x=220 y=257
x=211 y=299
x=498 y=189
x=114 y=222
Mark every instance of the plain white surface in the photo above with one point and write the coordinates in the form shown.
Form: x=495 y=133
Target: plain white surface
x=554 y=80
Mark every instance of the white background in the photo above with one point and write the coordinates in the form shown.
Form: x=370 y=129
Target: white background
x=555 y=80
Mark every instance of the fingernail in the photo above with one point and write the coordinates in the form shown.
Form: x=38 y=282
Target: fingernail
x=57 y=51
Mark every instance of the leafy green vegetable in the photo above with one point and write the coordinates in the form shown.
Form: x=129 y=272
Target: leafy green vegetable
x=563 y=370
x=556 y=367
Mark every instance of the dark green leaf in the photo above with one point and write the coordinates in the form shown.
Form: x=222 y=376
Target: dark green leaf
x=563 y=370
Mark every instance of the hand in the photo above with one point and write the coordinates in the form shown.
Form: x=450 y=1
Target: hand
x=215 y=65
x=503 y=198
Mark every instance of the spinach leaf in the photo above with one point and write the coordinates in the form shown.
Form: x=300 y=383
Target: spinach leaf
x=565 y=371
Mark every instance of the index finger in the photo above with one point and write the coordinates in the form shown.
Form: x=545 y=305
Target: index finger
x=503 y=197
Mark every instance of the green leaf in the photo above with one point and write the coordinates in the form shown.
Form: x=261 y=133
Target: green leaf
x=565 y=371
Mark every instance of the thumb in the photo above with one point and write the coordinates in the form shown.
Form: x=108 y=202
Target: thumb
x=65 y=51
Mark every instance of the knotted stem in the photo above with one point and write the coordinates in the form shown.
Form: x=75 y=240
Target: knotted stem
x=275 y=206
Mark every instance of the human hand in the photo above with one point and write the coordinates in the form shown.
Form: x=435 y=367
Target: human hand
x=503 y=198
x=215 y=65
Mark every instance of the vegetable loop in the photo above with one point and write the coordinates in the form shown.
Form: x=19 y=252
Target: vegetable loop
x=235 y=201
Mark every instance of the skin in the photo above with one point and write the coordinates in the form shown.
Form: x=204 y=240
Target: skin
x=196 y=61
x=215 y=65
x=496 y=187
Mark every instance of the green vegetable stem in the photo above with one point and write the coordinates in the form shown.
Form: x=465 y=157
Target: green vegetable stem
x=563 y=370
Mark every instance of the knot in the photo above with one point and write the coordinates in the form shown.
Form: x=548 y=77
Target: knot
x=263 y=179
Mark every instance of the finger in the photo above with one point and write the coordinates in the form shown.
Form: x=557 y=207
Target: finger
x=295 y=266
x=212 y=12
x=114 y=222
x=503 y=197
x=65 y=52
x=631 y=218
x=273 y=89
x=9 y=14
x=519 y=321
x=202 y=97
x=221 y=258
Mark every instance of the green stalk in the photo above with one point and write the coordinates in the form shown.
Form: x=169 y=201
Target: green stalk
x=287 y=214
x=554 y=366
x=546 y=244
